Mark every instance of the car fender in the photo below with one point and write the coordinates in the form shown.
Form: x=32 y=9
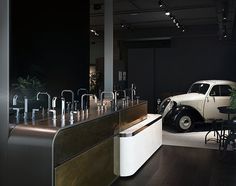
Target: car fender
x=176 y=111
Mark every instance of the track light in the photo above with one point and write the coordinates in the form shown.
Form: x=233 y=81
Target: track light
x=165 y=9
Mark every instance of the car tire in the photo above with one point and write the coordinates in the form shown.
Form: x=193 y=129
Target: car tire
x=184 y=122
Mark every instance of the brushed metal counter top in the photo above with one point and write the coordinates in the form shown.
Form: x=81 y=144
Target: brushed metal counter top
x=59 y=124
x=44 y=145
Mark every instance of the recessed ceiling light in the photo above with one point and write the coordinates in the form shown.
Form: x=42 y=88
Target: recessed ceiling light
x=160 y=4
x=167 y=13
x=225 y=36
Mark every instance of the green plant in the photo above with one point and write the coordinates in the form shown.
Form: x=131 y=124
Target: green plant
x=95 y=82
x=28 y=86
x=233 y=99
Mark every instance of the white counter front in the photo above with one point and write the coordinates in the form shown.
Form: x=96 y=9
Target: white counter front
x=138 y=143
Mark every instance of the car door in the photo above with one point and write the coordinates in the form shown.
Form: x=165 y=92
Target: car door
x=218 y=96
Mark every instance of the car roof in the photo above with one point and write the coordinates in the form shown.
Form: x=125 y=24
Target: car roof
x=212 y=82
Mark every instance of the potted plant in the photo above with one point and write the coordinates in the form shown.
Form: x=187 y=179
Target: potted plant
x=95 y=82
x=28 y=87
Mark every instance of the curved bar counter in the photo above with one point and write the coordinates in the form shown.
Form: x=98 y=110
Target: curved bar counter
x=55 y=153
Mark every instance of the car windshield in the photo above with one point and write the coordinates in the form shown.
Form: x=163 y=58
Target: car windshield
x=200 y=88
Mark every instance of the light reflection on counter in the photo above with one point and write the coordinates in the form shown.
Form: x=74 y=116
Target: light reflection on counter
x=79 y=119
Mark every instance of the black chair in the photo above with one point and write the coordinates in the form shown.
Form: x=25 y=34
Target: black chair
x=231 y=137
x=229 y=125
x=215 y=127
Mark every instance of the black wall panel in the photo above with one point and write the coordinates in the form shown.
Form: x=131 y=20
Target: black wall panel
x=160 y=72
x=50 y=40
x=141 y=73
x=190 y=60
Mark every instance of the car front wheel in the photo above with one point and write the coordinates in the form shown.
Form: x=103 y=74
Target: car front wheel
x=184 y=122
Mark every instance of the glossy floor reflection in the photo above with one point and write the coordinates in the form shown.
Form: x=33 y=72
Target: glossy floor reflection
x=193 y=138
x=185 y=166
x=190 y=139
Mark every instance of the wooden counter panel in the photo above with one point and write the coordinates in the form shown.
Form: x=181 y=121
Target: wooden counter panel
x=132 y=115
x=71 y=142
x=94 y=167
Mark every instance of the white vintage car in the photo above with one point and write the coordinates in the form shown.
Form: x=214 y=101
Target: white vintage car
x=199 y=104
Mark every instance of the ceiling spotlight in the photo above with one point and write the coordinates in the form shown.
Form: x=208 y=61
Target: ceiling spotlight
x=183 y=30
x=160 y=4
x=167 y=13
x=177 y=24
x=225 y=36
x=174 y=20
x=94 y=32
x=125 y=26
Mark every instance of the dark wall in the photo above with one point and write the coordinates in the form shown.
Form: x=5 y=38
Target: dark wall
x=174 y=69
x=50 y=40
x=141 y=73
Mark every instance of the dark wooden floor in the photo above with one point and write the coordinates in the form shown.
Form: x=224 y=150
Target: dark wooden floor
x=184 y=166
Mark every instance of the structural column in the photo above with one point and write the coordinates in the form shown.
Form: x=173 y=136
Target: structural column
x=4 y=86
x=108 y=46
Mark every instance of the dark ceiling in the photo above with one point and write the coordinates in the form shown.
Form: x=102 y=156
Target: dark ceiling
x=147 y=14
